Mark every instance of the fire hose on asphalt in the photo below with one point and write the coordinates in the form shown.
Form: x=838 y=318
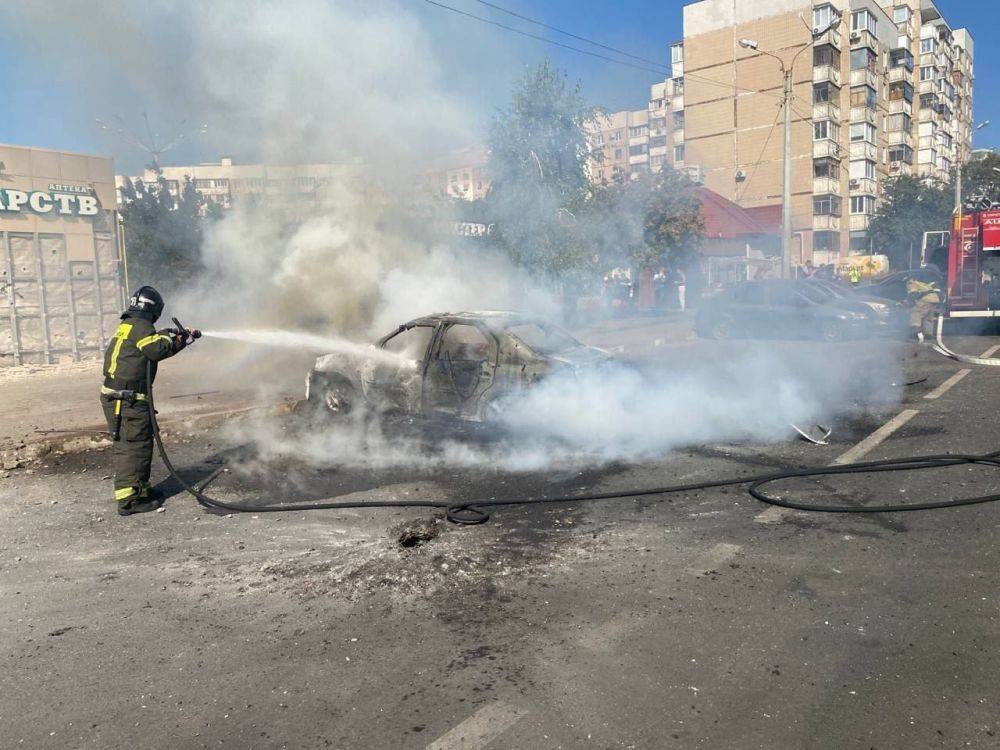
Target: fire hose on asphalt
x=940 y=348
x=473 y=512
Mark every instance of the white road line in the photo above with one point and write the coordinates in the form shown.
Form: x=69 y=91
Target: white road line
x=716 y=556
x=947 y=385
x=776 y=513
x=877 y=437
x=480 y=729
x=618 y=349
x=990 y=352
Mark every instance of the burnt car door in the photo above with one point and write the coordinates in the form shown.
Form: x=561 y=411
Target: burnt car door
x=461 y=367
x=394 y=379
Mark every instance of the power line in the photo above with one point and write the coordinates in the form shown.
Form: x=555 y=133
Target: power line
x=760 y=158
x=569 y=34
x=662 y=71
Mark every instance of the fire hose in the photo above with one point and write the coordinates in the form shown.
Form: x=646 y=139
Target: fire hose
x=473 y=512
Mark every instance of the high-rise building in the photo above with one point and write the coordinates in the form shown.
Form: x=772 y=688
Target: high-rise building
x=881 y=88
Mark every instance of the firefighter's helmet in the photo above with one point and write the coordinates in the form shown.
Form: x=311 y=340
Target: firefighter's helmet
x=146 y=300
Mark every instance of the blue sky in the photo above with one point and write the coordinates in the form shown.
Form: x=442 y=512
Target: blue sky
x=51 y=100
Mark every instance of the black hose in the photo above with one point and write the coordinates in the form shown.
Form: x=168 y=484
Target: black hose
x=471 y=513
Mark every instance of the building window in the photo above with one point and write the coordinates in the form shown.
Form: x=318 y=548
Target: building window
x=901 y=14
x=927 y=46
x=829 y=168
x=637 y=131
x=901 y=90
x=862 y=204
x=863 y=169
x=863 y=20
x=823 y=17
x=678 y=120
x=825 y=129
x=825 y=92
x=901 y=153
x=826 y=241
x=927 y=72
x=864 y=96
x=637 y=150
x=864 y=59
x=679 y=153
x=901 y=58
x=826 y=205
x=203 y=184
x=678 y=87
x=676 y=53
x=826 y=54
x=658 y=124
x=615 y=136
x=863 y=131
x=655 y=161
x=657 y=141
x=618 y=154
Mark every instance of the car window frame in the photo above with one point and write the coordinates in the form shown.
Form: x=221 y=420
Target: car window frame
x=403 y=328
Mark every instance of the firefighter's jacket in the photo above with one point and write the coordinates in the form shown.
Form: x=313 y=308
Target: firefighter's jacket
x=134 y=344
x=922 y=291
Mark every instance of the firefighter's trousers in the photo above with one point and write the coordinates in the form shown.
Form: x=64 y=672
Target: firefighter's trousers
x=132 y=453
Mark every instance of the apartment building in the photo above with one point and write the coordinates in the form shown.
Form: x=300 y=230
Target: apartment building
x=225 y=180
x=462 y=174
x=881 y=88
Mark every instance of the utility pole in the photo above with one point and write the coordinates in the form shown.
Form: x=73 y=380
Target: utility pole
x=787 y=99
x=786 y=198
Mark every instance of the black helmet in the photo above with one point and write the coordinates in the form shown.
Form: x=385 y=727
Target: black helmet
x=146 y=300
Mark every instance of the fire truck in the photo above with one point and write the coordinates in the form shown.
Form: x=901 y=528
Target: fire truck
x=973 y=262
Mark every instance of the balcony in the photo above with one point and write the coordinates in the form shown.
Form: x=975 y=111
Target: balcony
x=638 y=140
x=865 y=77
x=638 y=159
x=899 y=74
x=860 y=222
x=826 y=148
x=679 y=136
x=864 y=150
x=864 y=186
x=826 y=223
x=901 y=138
x=677 y=103
x=863 y=114
x=898 y=106
x=927 y=87
x=831 y=37
x=825 y=73
x=863 y=39
x=826 y=186
x=899 y=169
x=826 y=111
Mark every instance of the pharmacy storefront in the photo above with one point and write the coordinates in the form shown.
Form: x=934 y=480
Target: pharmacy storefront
x=59 y=255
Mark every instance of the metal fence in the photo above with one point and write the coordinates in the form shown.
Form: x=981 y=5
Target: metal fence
x=60 y=305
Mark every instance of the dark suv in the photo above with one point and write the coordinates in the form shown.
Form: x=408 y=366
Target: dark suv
x=779 y=309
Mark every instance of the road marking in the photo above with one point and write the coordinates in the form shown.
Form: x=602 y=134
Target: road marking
x=776 y=513
x=990 y=352
x=480 y=729
x=716 y=556
x=948 y=384
x=618 y=349
x=877 y=437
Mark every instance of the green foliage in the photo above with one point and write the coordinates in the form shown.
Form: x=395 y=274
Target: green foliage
x=163 y=234
x=651 y=221
x=980 y=178
x=538 y=157
x=910 y=207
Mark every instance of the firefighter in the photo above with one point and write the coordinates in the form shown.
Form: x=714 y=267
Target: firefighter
x=124 y=397
x=924 y=297
x=854 y=274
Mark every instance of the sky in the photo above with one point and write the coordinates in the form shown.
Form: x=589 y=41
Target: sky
x=59 y=81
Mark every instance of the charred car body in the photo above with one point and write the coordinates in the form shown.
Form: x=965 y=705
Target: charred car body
x=458 y=365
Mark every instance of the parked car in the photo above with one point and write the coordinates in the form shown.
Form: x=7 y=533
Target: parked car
x=460 y=365
x=780 y=309
x=886 y=315
x=893 y=286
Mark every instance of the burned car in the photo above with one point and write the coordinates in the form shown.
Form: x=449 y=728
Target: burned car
x=458 y=365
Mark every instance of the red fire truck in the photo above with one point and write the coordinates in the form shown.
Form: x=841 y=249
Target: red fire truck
x=974 y=265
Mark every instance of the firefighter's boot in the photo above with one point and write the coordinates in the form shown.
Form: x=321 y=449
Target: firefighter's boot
x=149 y=492
x=137 y=503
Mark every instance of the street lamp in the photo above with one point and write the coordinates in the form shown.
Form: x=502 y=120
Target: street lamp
x=786 y=199
x=958 y=175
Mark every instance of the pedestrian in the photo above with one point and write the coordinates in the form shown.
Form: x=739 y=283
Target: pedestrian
x=681 y=281
x=854 y=274
x=125 y=397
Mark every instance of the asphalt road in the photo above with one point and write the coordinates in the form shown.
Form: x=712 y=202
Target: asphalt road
x=700 y=620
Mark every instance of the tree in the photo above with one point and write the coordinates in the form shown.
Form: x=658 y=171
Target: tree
x=981 y=177
x=163 y=233
x=910 y=207
x=538 y=157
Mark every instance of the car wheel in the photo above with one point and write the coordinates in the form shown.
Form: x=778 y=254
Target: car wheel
x=332 y=396
x=721 y=329
x=832 y=332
